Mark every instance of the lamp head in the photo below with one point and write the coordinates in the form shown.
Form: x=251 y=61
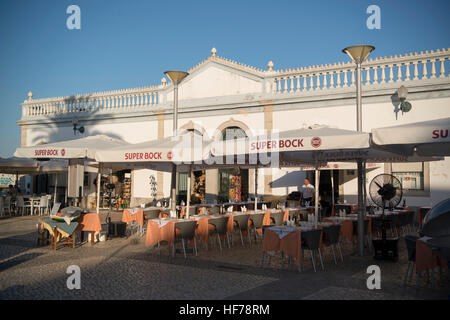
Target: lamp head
x=358 y=53
x=176 y=76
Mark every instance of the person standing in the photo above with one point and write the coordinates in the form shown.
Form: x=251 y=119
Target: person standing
x=307 y=191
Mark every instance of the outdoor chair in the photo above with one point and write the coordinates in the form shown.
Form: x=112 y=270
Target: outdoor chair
x=257 y=222
x=312 y=244
x=220 y=228
x=331 y=238
x=43 y=205
x=23 y=205
x=241 y=221
x=5 y=207
x=411 y=247
x=152 y=213
x=277 y=218
x=186 y=232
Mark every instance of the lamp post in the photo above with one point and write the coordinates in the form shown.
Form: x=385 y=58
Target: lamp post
x=176 y=77
x=359 y=54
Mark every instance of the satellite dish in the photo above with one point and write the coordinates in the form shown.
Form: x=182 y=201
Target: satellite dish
x=385 y=189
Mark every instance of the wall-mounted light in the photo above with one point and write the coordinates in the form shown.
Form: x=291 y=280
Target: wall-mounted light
x=402 y=93
x=76 y=128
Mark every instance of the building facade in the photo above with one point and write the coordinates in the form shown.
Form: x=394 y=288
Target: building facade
x=222 y=98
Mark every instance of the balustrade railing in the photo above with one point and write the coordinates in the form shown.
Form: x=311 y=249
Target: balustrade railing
x=397 y=69
x=428 y=65
x=113 y=101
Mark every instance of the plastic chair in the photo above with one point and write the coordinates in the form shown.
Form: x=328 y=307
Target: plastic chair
x=332 y=239
x=23 y=205
x=277 y=218
x=187 y=231
x=152 y=213
x=241 y=221
x=220 y=228
x=43 y=205
x=257 y=222
x=312 y=243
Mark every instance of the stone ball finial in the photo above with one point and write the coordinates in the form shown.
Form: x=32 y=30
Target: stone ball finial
x=30 y=95
x=270 y=65
x=163 y=81
x=213 y=52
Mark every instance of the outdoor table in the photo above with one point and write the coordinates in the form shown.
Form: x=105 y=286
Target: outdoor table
x=89 y=222
x=287 y=240
x=161 y=230
x=426 y=259
x=59 y=230
x=130 y=215
x=346 y=226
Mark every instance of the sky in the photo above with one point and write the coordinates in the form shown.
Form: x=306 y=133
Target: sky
x=126 y=44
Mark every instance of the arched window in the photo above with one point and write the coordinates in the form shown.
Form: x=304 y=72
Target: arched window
x=231 y=133
x=195 y=131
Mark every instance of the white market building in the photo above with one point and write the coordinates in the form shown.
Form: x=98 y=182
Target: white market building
x=222 y=97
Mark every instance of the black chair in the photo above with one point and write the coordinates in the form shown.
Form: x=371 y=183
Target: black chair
x=220 y=228
x=312 y=243
x=277 y=218
x=152 y=213
x=331 y=238
x=257 y=222
x=377 y=226
x=241 y=221
x=187 y=231
x=411 y=247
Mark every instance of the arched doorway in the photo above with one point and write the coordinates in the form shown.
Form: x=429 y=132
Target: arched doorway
x=233 y=183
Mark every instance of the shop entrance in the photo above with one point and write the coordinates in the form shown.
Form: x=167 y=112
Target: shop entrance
x=233 y=185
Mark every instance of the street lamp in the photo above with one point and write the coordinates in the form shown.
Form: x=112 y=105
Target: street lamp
x=402 y=93
x=359 y=54
x=176 y=77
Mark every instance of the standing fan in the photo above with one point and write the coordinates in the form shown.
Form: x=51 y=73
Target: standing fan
x=385 y=189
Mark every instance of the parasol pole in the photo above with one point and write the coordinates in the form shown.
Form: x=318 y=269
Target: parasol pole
x=256 y=189
x=99 y=180
x=188 y=194
x=56 y=188
x=316 y=197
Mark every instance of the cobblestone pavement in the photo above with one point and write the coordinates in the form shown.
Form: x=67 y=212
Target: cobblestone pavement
x=126 y=269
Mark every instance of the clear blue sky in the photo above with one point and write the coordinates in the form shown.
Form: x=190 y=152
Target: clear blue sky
x=125 y=44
